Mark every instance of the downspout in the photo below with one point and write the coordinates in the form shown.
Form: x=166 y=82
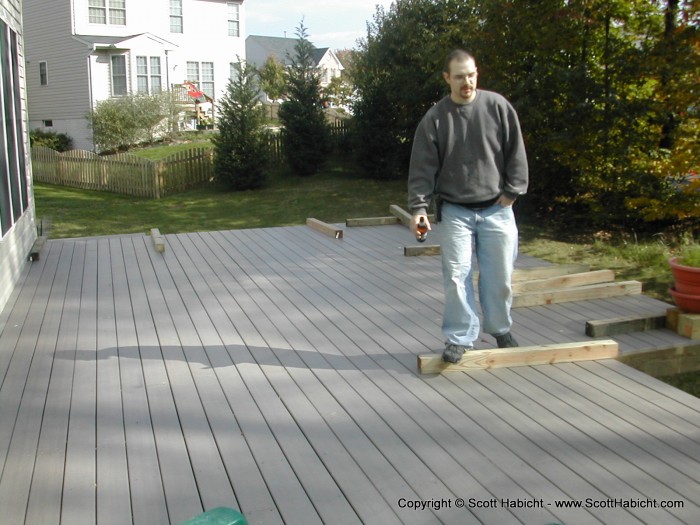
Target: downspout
x=93 y=47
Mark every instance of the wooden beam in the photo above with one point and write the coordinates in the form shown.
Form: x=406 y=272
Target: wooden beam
x=523 y=356
x=542 y=272
x=582 y=293
x=38 y=245
x=404 y=216
x=327 y=229
x=158 y=241
x=565 y=281
x=688 y=325
x=372 y=221
x=671 y=360
x=401 y=214
x=421 y=249
x=624 y=325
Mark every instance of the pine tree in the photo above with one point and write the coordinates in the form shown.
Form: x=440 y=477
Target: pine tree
x=305 y=133
x=241 y=148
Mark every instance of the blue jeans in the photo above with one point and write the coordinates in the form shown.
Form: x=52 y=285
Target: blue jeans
x=493 y=234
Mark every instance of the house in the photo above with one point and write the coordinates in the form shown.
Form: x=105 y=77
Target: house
x=259 y=48
x=17 y=216
x=80 y=52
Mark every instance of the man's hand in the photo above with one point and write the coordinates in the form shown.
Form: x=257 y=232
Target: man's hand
x=414 y=224
x=505 y=202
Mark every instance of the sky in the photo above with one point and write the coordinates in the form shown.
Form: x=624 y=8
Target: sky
x=330 y=23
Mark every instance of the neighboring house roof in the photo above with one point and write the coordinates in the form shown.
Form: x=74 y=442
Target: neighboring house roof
x=259 y=48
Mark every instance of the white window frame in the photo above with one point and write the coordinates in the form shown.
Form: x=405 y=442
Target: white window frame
x=203 y=78
x=148 y=75
x=176 y=17
x=234 y=18
x=113 y=75
x=43 y=73
x=14 y=186
x=107 y=12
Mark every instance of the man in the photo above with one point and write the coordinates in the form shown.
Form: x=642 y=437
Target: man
x=468 y=154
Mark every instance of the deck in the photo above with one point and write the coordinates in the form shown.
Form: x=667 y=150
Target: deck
x=274 y=371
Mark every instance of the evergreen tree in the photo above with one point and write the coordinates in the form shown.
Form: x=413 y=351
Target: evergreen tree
x=241 y=149
x=305 y=133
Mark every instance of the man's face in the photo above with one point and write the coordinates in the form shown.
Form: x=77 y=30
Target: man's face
x=462 y=81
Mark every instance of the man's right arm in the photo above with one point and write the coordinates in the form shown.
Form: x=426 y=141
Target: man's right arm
x=423 y=169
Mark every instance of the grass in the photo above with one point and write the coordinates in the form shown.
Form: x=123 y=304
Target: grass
x=331 y=196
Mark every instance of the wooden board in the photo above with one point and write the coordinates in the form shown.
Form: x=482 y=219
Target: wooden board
x=582 y=293
x=624 y=325
x=565 y=281
x=372 y=221
x=523 y=356
x=158 y=241
x=35 y=252
x=421 y=249
x=542 y=272
x=688 y=325
x=675 y=359
x=404 y=216
x=325 y=228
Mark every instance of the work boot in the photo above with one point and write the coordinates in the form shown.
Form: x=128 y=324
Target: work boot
x=453 y=353
x=506 y=341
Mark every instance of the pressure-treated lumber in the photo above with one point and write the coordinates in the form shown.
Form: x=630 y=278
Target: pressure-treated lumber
x=404 y=216
x=421 y=249
x=543 y=272
x=624 y=325
x=565 y=281
x=325 y=228
x=158 y=241
x=372 y=221
x=582 y=293
x=523 y=356
x=685 y=324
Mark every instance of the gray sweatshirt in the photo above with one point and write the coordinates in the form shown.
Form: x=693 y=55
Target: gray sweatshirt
x=467 y=154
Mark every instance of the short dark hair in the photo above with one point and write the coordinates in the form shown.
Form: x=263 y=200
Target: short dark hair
x=457 y=54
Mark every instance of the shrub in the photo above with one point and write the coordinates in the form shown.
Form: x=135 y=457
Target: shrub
x=50 y=139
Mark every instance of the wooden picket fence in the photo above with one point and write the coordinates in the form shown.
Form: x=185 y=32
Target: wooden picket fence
x=124 y=173
x=132 y=175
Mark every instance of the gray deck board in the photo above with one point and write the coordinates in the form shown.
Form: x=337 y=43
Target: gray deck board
x=274 y=371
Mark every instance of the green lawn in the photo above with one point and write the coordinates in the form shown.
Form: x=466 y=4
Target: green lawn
x=332 y=196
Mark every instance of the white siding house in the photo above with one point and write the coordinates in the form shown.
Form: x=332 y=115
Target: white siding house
x=17 y=219
x=82 y=51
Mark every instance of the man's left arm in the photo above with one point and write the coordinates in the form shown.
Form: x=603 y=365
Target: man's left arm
x=515 y=157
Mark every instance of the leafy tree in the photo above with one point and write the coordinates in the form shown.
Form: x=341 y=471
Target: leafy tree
x=338 y=92
x=606 y=91
x=305 y=133
x=240 y=146
x=272 y=80
x=397 y=76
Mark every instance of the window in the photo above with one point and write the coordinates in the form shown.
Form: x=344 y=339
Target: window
x=107 y=11
x=234 y=21
x=233 y=71
x=119 y=86
x=43 y=74
x=14 y=189
x=148 y=75
x=205 y=82
x=176 y=16
x=156 y=83
x=47 y=123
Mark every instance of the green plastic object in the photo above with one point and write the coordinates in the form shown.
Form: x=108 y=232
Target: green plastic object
x=218 y=516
